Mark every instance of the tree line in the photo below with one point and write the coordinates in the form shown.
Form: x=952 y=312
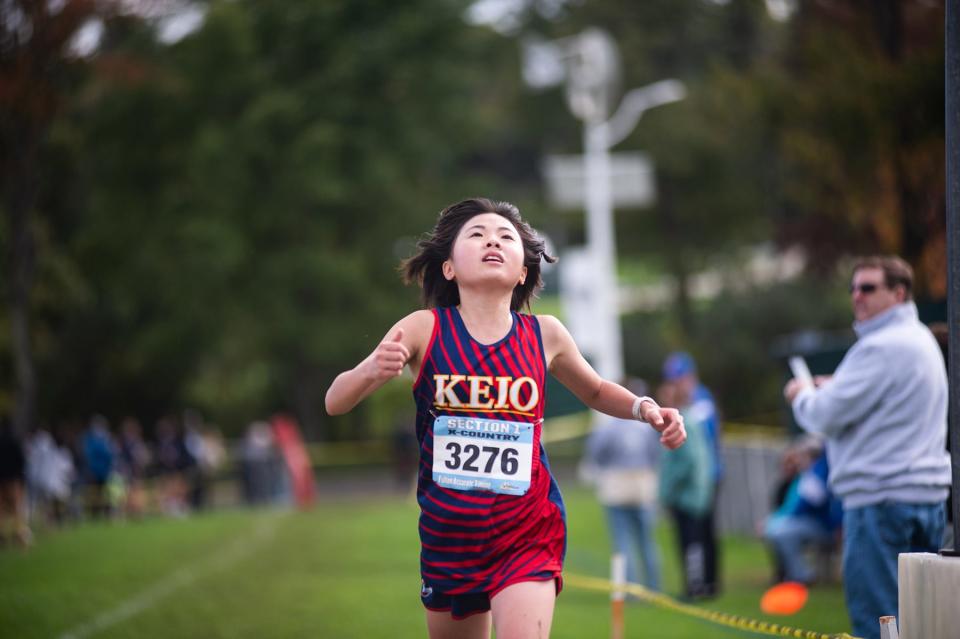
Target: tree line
x=216 y=222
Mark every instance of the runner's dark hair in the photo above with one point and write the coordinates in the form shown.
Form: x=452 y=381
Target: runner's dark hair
x=435 y=247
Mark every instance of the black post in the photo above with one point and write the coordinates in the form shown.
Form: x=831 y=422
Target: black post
x=952 y=140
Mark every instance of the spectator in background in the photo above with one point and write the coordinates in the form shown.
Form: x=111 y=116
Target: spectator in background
x=257 y=458
x=68 y=436
x=205 y=444
x=196 y=473
x=50 y=477
x=621 y=460
x=98 y=461
x=686 y=490
x=214 y=452
x=13 y=510
x=173 y=461
x=680 y=369
x=134 y=460
x=808 y=515
x=884 y=416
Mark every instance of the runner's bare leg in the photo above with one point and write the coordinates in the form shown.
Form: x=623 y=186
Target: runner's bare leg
x=441 y=625
x=524 y=610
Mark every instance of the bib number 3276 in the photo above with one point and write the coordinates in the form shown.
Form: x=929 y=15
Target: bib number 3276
x=471 y=453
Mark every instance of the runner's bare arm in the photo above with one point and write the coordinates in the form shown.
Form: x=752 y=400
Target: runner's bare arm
x=403 y=344
x=568 y=365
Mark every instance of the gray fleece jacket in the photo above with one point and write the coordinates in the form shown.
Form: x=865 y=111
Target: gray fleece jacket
x=884 y=414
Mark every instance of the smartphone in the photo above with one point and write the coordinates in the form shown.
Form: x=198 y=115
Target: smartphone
x=800 y=370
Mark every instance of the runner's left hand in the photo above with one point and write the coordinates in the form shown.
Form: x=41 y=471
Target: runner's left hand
x=669 y=423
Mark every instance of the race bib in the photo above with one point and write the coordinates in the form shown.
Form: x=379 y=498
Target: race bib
x=470 y=453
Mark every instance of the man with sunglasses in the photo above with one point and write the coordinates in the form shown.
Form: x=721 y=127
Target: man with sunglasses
x=884 y=415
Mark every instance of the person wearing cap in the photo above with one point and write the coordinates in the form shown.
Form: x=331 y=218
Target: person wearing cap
x=680 y=369
x=884 y=415
x=686 y=490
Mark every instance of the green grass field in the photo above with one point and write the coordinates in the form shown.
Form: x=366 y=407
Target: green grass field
x=344 y=569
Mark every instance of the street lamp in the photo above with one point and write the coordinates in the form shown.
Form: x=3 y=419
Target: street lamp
x=591 y=68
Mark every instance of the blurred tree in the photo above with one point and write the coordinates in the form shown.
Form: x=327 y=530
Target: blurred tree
x=739 y=336
x=217 y=221
x=37 y=64
x=857 y=101
x=734 y=339
x=243 y=195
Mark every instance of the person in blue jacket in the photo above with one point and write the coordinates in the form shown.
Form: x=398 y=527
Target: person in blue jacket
x=809 y=515
x=680 y=369
x=686 y=490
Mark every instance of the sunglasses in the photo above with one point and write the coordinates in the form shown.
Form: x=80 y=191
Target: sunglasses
x=865 y=289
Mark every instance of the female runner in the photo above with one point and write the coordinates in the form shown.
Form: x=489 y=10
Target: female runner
x=492 y=522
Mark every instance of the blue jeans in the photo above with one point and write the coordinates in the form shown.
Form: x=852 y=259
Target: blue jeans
x=789 y=535
x=873 y=537
x=631 y=531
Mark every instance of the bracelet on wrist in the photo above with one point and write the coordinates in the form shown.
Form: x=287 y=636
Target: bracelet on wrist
x=638 y=405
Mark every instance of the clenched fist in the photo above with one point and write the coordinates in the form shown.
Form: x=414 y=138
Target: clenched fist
x=387 y=359
x=668 y=422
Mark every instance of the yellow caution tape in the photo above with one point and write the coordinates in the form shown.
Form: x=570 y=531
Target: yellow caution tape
x=719 y=618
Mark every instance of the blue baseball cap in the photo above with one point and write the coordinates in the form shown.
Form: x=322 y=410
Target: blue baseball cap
x=678 y=364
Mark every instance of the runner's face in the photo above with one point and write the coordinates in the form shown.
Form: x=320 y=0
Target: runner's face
x=487 y=250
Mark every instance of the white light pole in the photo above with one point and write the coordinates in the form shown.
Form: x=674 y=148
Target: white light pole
x=592 y=65
x=603 y=250
x=599 y=138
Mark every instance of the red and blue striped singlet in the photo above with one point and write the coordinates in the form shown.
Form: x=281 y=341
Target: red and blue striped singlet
x=475 y=540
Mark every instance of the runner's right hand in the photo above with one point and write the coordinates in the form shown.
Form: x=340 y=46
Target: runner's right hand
x=387 y=359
